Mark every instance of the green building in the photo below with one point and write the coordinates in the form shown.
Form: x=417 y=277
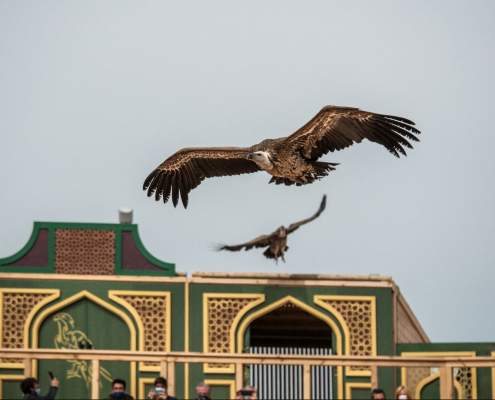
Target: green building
x=95 y=286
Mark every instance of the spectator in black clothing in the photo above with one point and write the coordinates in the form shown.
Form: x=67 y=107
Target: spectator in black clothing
x=118 y=387
x=31 y=389
x=378 y=394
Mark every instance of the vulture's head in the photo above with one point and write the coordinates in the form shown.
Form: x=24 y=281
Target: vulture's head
x=281 y=232
x=262 y=158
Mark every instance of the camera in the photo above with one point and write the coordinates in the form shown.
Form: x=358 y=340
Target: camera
x=246 y=392
x=202 y=396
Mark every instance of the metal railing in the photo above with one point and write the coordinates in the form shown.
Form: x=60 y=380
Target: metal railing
x=168 y=361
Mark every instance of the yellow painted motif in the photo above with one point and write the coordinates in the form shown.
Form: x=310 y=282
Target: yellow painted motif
x=84 y=294
x=70 y=338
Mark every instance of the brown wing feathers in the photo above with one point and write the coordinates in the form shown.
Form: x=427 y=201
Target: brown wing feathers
x=335 y=128
x=184 y=171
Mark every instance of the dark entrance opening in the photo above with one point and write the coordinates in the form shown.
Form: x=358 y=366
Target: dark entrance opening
x=290 y=330
x=290 y=326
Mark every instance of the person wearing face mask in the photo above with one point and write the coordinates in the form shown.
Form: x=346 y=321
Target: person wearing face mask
x=118 y=387
x=160 y=390
x=31 y=389
x=402 y=393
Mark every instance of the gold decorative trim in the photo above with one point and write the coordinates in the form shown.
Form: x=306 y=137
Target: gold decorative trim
x=355 y=385
x=186 y=338
x=493 y=378
x=256 y=299
x=223 y=382
x=73 y=299
x=52 y=294
x=436 y=375
x=9 y=378
x=308 y=309
x=430 y=379
x=116 y=295
x=142 y=387
x=322 y=300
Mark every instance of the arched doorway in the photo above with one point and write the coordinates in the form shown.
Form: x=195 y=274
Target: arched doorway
x=289 y=329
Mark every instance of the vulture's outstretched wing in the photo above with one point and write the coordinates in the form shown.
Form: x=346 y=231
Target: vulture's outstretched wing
x=183 y=171
x=296 y=225
x=335 y=128
x=261 y=241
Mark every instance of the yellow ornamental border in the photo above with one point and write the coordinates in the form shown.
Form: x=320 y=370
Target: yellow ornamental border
x=493 y=378
x=308 y=309
x=321 y=301
x=9 y=378
x=258 y=299
x=54 y=294
x=223 y=382
x=73 y=299
x=114 y=295
x=355 y=385
x=436 y=375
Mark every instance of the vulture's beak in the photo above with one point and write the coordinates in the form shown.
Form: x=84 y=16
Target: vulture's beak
x=250 y=156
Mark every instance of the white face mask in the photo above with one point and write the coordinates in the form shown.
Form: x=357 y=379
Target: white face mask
x=403 y=397
x=37 y=390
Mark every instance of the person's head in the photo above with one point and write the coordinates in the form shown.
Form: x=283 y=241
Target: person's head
x=401 y=393
x=378 y=394
x=118 y=388
x=30 y=385
x=203 y=390
x=160 y=382
x=252 y=389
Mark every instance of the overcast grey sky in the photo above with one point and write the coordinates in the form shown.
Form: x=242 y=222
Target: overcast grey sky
x=94 y=95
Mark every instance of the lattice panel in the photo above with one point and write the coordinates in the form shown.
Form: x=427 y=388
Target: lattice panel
x=153 y=311
x=358 y=315
x=15 y=310
x=84 y=251
x=415 y=376
x=465 y=377
x=221 y=313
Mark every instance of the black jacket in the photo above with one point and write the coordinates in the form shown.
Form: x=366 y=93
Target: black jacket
x=126 y=397
x=51 y=395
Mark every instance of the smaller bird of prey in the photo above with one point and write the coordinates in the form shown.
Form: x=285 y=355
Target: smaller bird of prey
x=276 y=241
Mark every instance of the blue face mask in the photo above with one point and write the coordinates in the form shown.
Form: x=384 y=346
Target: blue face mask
x=118 y=395
x=38 y=391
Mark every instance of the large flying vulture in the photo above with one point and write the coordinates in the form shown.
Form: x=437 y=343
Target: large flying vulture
x=290 y=160
x=277 y=241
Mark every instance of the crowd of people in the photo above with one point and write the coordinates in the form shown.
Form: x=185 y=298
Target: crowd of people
x=32 y=391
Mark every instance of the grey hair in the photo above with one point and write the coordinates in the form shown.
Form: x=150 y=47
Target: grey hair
x=202 y=384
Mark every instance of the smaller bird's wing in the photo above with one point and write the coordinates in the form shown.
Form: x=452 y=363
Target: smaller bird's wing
x=261 y=241
x=296 y=225
x=184 y=170
x=335 y=128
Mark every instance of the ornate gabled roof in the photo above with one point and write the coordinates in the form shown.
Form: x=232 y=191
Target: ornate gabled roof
x=85 y=248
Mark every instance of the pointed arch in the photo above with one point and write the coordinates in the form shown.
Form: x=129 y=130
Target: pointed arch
x=84 y=294
x=298 y=303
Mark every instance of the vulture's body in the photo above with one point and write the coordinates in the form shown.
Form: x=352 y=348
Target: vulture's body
x=290 y=160
x=276 y=241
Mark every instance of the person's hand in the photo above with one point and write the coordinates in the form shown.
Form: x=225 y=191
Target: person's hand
x=54 y=382
x=151 y=394
x=238 y=395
